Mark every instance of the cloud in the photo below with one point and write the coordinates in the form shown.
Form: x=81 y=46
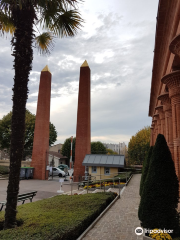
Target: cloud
x=118 y=47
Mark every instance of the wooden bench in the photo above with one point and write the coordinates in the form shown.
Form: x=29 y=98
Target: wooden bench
x=21 y=198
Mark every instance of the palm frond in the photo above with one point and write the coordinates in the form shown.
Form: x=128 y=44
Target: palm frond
x=61 y=4
x=45 y=42
x=48 y=8
x=62 y=23
x=66 y=3
x=6 y=24
x=67 y=24
x=5 y=7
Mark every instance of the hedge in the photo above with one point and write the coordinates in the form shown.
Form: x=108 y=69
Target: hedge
x=4 y=169
x=61 y=217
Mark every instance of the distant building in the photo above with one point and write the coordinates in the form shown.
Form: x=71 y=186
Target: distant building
x=56 y=148
x=55 y=159
x=103 y=166
x=119 y=148
x=56 y=156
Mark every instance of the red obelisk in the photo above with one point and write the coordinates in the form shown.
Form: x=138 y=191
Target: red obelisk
x=41 y=132
x=83 y=129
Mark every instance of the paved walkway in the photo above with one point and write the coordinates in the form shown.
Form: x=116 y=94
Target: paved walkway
x=45 y=189
x=118 y=223
x=121 y=220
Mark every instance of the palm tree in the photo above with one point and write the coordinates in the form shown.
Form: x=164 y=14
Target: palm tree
x=20 y=17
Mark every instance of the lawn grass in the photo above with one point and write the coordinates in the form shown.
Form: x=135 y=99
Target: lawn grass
x=122 y=176
x=61 y=217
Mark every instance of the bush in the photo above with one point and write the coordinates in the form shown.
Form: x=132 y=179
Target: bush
x=160 y=195
x=4 y=169
x=122 y=176
x=134 y=170
x=145 y=169
x=61 y=217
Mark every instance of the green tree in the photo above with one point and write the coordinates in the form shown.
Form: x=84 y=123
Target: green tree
x=145 y=169
x=110 y=152
x=66 y=148
x=58 y=17
x=5 y=131
x=126 y=156
x=52 y=134
x=159 y=199
x=139 y=146
x=98 y=148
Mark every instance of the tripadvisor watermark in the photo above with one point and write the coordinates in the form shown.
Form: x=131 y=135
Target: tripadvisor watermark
x=158 y=231
x=139 y=231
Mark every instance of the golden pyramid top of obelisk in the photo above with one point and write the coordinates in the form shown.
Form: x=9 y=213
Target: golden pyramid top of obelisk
x=85 y=64
x=46 y=69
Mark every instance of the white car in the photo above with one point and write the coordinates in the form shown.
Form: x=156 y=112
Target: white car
x=57 y=172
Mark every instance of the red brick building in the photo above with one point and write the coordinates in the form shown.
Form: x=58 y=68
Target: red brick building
x=164 y=107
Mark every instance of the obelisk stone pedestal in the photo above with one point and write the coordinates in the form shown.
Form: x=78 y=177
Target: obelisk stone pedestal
x=83 y=129
x=41 y=132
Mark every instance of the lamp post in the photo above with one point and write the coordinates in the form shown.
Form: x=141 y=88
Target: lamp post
x=71 y=153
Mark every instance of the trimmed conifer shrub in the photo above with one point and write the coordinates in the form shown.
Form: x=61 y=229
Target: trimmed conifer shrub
x=159 y=199
x=145 y=169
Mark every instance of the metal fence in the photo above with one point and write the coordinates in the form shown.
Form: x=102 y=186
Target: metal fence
x=90 y=183
x=114 y=175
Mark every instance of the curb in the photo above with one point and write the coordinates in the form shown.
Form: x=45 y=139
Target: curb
x=105 y=210
x=99 y=217
x=129 y=179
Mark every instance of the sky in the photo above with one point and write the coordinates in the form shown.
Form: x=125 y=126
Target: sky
x=117 y=40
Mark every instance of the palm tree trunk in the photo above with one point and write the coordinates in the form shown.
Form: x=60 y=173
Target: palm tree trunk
x=22 y=51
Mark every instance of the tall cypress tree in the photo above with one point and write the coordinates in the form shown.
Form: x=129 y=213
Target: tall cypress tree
x=160 y=194
x=145 y=169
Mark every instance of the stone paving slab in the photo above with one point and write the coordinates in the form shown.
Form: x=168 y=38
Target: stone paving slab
x=44 y=188
x=121 y=220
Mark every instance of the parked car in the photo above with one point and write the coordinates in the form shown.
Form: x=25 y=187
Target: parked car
x=64 y=168
x=57 y=172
